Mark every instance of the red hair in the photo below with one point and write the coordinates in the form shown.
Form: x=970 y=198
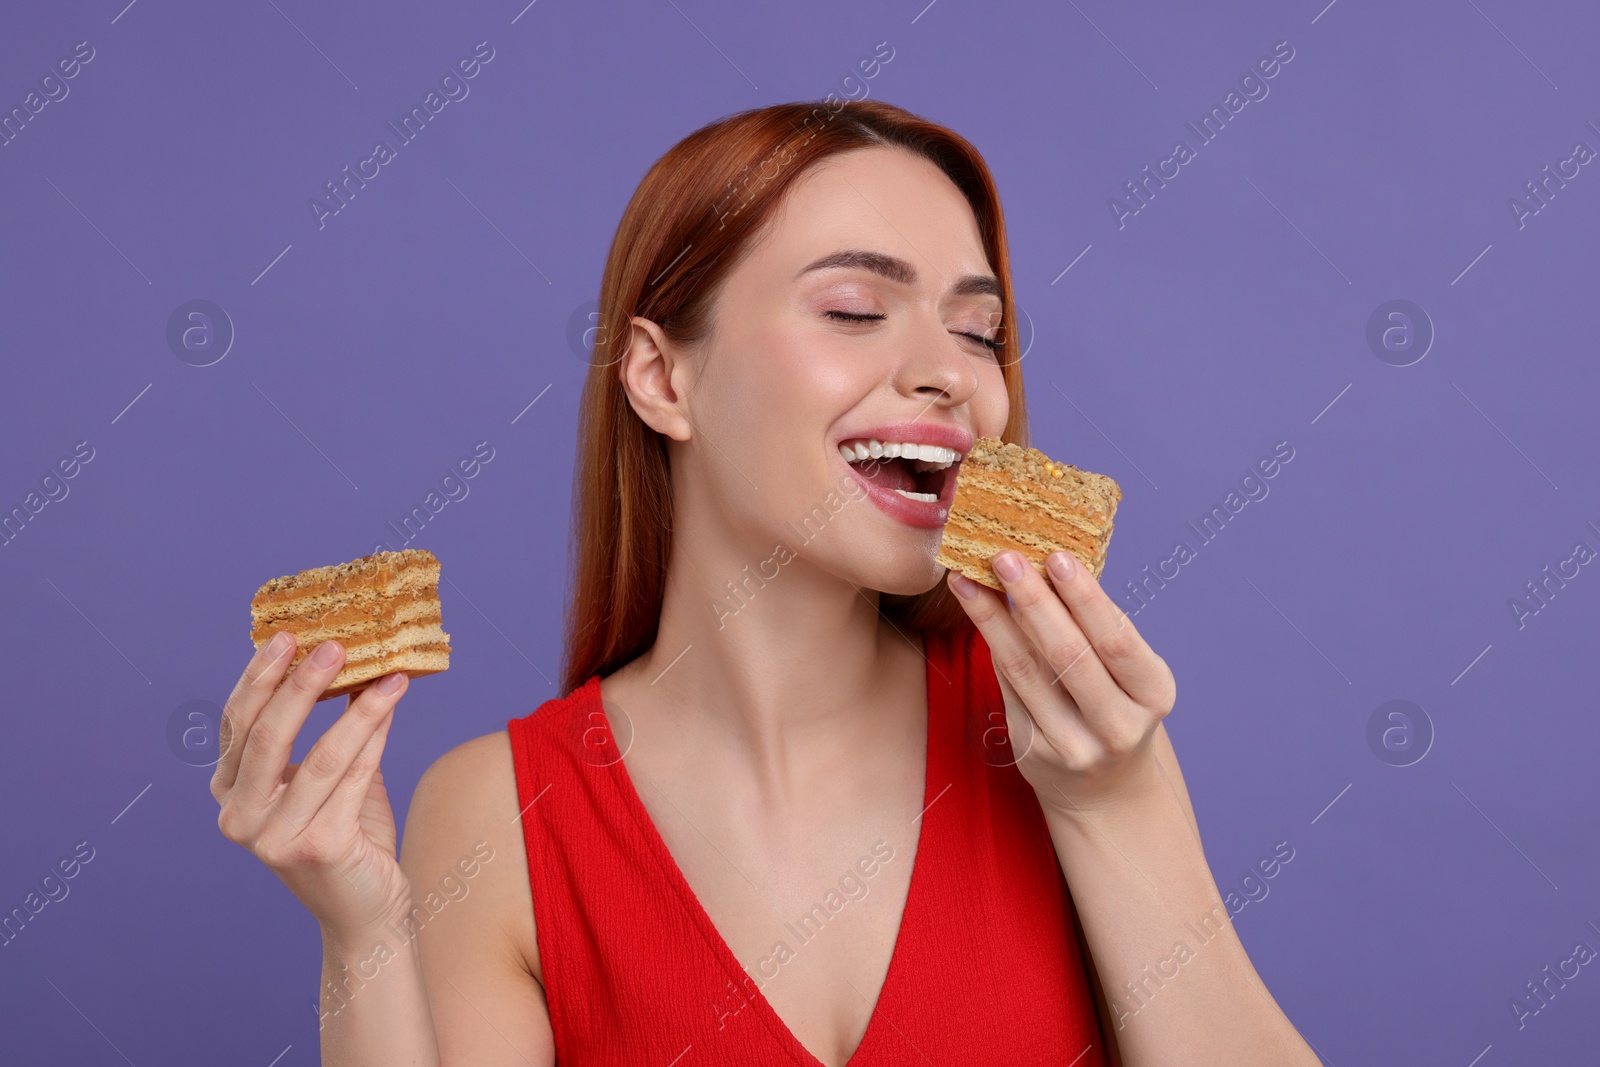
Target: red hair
x=685 y=228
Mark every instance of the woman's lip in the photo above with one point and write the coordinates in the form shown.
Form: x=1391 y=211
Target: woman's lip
x=919 y=431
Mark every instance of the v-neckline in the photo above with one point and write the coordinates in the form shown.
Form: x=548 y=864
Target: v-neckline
x=757 y=1001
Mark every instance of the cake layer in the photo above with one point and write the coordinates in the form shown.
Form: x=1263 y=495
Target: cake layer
x=966 y=554
x=373 y=645
x=414 y=662
x=377 y=568
x=378 y=658
x=403 y=575
x=314 y=594
x=1011 y=497
x=984 y=522
x=1000 y=513
x=383 y=608
x=369 y=616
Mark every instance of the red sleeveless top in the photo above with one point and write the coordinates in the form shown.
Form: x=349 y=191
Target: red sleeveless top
x=987 y=966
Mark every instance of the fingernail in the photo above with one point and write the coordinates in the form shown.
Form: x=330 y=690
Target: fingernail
x=278 y=646
x=1008 y=565
x=326 y=654
x=389 y=683
x=965 y=587
x=1060 y=564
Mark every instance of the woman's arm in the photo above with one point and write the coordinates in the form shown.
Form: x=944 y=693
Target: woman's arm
x=374 y=1008
x=473 y=927
x=451 y=974
x=1167 y=762
x=1072 y=667
x=325 y=828
x=1179 y=983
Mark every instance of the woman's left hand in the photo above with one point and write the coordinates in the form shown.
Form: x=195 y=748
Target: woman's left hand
x=1084 y=693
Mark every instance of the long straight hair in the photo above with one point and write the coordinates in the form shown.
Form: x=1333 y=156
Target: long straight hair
x=685 y=228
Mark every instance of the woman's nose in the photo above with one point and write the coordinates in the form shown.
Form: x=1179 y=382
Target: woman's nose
x=935 y=367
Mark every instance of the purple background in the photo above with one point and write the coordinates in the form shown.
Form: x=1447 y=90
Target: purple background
x=1228 y=315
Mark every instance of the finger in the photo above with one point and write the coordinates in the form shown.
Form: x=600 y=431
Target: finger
x=333 y=755
x=266 y=748
x=250 y=694
x=344 y=803
x=1067 y=653
x=1123 y=651
x=1076 y=744
x=1054 y=713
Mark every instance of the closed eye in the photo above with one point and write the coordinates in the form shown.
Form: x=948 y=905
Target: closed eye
x=850 y=316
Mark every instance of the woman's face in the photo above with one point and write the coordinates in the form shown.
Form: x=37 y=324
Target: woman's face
x=858 y=316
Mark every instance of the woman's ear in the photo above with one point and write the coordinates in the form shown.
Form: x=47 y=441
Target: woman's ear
x=646 y=371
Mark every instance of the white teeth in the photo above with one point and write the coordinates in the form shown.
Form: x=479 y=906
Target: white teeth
x=923 y=457
x=920 y=458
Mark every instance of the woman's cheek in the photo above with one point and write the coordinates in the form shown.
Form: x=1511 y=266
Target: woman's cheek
x=991 y=404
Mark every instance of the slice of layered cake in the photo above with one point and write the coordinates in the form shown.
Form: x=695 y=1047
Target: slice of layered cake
x=1008 y=496
x=383 y=608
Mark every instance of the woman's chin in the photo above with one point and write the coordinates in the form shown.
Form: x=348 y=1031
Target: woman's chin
x=905 y=580
x=908 y=592
x=898 y=566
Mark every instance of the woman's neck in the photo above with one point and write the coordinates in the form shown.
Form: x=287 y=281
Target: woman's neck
x=774 y=657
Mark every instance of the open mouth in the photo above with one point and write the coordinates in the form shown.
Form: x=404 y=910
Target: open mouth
x=924 y=473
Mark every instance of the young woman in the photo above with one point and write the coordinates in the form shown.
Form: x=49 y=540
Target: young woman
x=804 y=799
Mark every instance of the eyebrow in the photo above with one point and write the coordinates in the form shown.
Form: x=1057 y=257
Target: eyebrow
x=898 y=270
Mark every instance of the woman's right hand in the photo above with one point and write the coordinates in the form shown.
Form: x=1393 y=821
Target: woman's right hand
x=323 y=826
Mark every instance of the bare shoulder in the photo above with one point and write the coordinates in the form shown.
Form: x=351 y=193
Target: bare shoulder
x=473 y=921
x=468 y=798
